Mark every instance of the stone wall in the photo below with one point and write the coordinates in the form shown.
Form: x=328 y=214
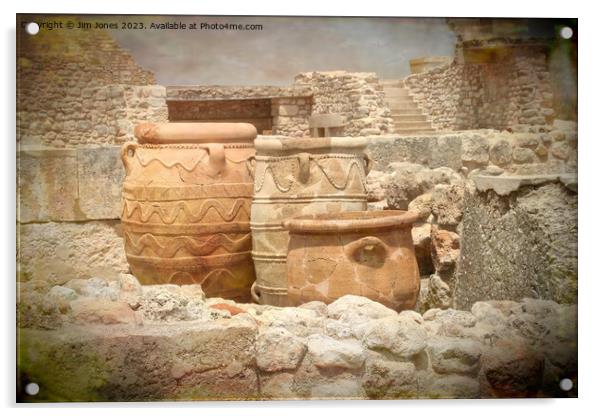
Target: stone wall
x=86 y=116
x=432 y=174
x=107 y=340
x=530 y=150
x=78 y=96
x=291 y=116
x=512 y=90
x=357 y=96
x=69 y=203
x=283 y=110
x=78 y=87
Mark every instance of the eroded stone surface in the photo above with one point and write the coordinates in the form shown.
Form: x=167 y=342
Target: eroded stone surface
x=79 y=344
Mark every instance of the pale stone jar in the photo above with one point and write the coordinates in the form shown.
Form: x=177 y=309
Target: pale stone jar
x=367 y=253
x=297 y=176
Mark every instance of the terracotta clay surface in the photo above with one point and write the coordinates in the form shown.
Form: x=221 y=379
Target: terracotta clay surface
x=367 y=253
x=299 y=177
x=186 y=206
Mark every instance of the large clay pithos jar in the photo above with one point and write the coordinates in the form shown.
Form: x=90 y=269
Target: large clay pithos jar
x=186 y=206
x=368 y=253
x=297 y=176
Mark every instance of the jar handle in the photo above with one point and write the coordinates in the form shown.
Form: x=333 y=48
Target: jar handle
x=251 y=166
x=369 y=163
x=128 y=150
x=370 y=244
x=303 y=159
x=217 y=157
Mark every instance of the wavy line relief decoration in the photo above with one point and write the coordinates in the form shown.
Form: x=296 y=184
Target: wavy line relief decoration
x=169 y=215
x=192 y=165
x=193 y=246
x=358 y=164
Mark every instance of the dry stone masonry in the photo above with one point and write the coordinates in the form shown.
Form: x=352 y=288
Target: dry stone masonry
x=99 y=340
x=81 y=88
x=494 y=95
x=356 y=96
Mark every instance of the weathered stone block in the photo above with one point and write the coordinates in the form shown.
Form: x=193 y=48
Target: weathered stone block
x=62 y=251
x=501 y=153
x=400 y=335
x=518 y=242
x=389 y=379
x=288 y=110
x=454 y=356
x=475 y=150
x=141 y=363
x=278 y=349
x=47 y=185
x=100 y=178
x=446 y=151
x=400 y=149
x=326 y=352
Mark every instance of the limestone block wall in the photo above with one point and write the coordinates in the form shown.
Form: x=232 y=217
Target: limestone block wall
x=357 y=96
x=500 y=95
x=69 y=203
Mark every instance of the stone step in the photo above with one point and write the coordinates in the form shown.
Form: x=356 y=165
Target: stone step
x=399 y=117
x=411 y=124
x=390 y=82
x=396 y=92
x=400 y=101
x=406 y=108
x=414 y=131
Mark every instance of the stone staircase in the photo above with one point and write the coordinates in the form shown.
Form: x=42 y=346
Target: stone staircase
x=407 y=117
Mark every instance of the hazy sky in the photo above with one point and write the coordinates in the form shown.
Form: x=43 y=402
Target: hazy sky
x=285 y=47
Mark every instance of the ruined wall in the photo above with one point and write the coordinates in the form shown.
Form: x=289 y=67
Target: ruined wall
x=104 y=340
x=80 y=88
x=514 y=89
x=357 y=96
x=430 y=175
x=87 y=116
x=291 y=116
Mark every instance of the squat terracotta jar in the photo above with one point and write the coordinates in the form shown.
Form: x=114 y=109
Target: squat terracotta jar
x=186 y=205
x=366 y=253
x=297 y=176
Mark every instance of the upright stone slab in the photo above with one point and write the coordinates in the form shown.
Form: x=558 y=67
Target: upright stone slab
x=47 y=185
x=519 y=239
x=100 y=177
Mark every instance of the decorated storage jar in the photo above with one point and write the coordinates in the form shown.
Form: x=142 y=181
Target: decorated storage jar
x=186 y=205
